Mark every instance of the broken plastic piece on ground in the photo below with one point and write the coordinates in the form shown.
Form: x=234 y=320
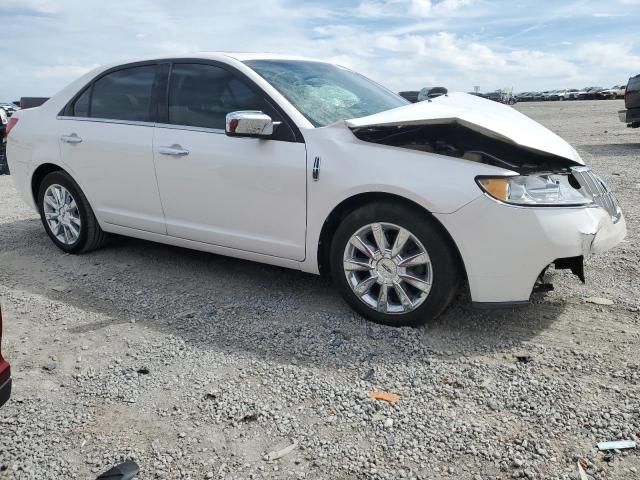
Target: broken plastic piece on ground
x=370 y=375
x=386 y=396
x=581 y=472
x=599 y=301
x=616 y=445
x=270 y=457
x=524 y=358
x=124 y=471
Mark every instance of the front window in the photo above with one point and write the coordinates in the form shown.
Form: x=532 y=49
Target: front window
x=326 y=93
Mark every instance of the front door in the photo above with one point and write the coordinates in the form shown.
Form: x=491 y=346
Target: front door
x=243 y=193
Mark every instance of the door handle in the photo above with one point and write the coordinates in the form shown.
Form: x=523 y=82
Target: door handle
x=174 y=150
x=73 y=138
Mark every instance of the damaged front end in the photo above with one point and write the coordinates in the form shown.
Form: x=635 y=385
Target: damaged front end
x=453 y=139
x=537 y=169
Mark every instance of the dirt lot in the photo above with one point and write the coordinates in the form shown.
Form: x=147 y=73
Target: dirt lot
x=197 y=365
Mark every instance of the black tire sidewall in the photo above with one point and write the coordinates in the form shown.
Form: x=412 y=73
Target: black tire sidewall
x=61 y=178
x=446 y=272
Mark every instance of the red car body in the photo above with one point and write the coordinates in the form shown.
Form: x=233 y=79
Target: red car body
x=5 y=373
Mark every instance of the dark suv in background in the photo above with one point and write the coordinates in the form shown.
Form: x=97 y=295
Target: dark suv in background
x=631 y=114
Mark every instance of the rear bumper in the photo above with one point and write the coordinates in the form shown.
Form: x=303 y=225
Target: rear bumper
x=505 y=248
x=631 y=115
x=5 y=391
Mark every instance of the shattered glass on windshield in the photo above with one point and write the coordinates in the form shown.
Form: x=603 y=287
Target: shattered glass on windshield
x=326 y=93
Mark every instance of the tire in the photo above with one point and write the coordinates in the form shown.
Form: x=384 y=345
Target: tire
x=78 y=216
x=382 y=271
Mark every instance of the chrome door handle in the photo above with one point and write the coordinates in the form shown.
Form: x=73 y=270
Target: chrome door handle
x=73 y=138
x=174 y=150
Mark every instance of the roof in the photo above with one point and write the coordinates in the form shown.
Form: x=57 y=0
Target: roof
x=238 y=56
x=243 y=56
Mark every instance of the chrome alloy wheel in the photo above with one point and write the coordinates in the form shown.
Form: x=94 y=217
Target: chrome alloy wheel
x=388 y=268
x=61 y=214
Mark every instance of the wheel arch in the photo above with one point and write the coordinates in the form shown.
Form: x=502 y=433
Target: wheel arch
x=354 y=202
x=38 y=175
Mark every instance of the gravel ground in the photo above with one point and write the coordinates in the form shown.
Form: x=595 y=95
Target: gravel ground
x=197 y=365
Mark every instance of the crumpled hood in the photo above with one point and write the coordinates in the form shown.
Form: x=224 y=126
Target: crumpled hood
x=485 y=116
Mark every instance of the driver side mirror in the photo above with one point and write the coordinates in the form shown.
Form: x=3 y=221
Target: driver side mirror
x=249 y=123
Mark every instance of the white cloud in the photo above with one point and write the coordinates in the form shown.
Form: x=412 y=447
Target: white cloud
x=455 y=43
x=28 y=7
x=62 y=71
x=420 y=8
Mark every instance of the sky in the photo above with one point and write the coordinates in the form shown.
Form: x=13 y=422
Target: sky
x=402 y=44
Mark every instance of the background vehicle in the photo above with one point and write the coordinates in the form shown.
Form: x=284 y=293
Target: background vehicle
x=9 y=108
x=606 y=94
x=502 y=96
x=392 y=201
x=4 y=120
x=5 y=372
x=411 y=95
x=631 y=114
x=524 y=96
x=426 y=93
x=431 y=92
x=590 y=93
x=572 y=94
x=562 y=94
x=617 y=91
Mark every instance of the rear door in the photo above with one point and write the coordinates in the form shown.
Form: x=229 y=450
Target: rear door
x=106 y=138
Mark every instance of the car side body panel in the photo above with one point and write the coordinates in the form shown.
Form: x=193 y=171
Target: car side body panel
x=438 y=184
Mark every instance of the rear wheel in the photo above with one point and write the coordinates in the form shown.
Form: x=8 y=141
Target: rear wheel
x=66 y=215
x=394 y=265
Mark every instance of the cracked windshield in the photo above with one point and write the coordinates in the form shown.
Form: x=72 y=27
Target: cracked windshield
x=326 y=93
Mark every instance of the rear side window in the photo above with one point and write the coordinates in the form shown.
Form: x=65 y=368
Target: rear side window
x=81 y=105
x=203 y=95
x=123 y=95
x=634 y=84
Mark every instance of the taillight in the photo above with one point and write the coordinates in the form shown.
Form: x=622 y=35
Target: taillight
x=11 y=123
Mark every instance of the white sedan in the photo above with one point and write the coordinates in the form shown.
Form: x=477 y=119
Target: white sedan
x=309 y=165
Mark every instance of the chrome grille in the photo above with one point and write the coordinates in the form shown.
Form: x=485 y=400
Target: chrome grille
x=595 y=188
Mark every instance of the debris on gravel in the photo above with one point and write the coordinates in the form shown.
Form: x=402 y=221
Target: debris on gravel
x=599 y=301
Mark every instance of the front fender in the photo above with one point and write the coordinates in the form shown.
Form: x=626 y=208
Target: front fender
x=349 y=167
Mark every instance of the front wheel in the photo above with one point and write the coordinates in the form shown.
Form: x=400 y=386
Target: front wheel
x=394 y=265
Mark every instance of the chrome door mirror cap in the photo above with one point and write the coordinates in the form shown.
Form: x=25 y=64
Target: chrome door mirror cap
x=249 y=123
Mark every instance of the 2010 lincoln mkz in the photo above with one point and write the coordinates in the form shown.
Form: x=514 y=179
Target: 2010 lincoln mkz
x=308 y=165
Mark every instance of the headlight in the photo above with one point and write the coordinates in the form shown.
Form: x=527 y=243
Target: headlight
x=534 y=190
